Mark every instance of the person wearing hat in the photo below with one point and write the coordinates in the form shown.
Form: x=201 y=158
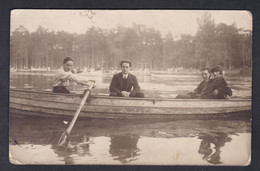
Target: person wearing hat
x=217 y=87
x=64 y=76
x=125 y=84
x=217 y=71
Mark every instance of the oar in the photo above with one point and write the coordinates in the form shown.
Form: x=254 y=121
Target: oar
x=66 y=133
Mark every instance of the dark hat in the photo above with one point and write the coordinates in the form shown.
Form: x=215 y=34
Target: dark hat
x=217 y=68
x=67 y=59
x=130 y=64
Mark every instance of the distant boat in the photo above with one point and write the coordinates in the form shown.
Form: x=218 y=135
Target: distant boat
x=91 y=73
x=54 y=104
x=173 y=75
x=40 y=69
x=143 y=73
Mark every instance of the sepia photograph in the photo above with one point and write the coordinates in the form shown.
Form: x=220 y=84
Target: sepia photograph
x=130 y=87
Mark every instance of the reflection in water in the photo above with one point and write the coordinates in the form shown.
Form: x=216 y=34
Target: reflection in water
x=79 y=146
x=210 y=154
x=65 y=154
x=124 y=148
x=37 y=82
x=97 y=141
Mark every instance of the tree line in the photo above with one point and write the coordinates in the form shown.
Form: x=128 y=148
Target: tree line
x=145 y=47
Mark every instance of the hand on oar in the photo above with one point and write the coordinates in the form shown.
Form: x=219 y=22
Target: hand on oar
x=88 y=83
x=66 y=133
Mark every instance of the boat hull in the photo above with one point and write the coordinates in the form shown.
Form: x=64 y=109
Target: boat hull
x=52 y=104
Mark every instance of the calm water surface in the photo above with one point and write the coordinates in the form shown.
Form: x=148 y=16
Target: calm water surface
x=33 y=140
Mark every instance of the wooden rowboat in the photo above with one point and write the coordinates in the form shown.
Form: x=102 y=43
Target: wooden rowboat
x=55 y=104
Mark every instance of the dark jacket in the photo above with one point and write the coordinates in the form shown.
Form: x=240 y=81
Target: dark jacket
x=117 y=83
x=216 y=84
x=197 y=92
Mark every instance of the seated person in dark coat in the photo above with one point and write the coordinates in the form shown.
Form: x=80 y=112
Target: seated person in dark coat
x=205 y=73
x=217 y=86
x=124 y=84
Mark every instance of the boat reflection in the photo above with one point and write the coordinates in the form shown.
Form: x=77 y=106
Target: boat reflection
x=124 y=148
x=212 y=154
x=124 y=142
x=121 y=148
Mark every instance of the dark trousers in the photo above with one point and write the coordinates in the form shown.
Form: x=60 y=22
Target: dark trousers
x=60 y=89
x=132 y=94
x=183 y=96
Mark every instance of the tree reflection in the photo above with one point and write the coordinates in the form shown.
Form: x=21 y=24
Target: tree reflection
x=124 y=148
x=212 y=154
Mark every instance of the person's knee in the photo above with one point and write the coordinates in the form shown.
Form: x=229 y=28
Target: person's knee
x=60 y=90
x=137 y=94
x=140 y=94
x=182 y=96
x=113 y=94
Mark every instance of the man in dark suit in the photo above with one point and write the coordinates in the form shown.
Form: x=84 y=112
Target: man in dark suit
x=196 y=94
x=124 y=84
x=217 y=87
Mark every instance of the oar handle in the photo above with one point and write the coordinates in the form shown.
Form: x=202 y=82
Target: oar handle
x=80 y=107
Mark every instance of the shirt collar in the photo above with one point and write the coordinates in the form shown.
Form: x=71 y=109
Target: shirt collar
x=125 y=75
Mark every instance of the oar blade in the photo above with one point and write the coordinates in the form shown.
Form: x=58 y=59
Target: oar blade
x=64 y=136
x=63 y=139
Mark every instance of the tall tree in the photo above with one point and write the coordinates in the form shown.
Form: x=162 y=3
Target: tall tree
x=20 y=39
x=204 y=39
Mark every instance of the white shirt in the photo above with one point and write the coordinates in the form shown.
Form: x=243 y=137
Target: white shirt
x=125 y=76
x=62 y=78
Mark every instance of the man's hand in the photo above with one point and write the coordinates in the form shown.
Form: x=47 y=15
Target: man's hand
x=215 y=92
x=74 y=71
x=92 y=81
x=191 y=92
x=87 y=83
x=125 y=93
x=83 y=83
x=227 y=97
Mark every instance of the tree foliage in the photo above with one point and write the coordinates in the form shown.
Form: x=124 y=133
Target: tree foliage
x=145 y=47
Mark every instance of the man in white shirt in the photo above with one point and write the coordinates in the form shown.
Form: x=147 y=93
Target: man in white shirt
x=124 y=84
x=64 y=76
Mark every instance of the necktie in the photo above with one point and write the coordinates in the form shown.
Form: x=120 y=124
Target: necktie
x=124 y=83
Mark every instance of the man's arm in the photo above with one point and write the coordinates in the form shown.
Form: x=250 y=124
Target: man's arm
x=73 y=77
x=224 y=92
x=199 y=88
x=218 y=89
x=80 y=80
x=112 y=87
x=136 y=85
x=59 y=77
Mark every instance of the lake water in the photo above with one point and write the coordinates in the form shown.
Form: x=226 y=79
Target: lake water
x=33 y=140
